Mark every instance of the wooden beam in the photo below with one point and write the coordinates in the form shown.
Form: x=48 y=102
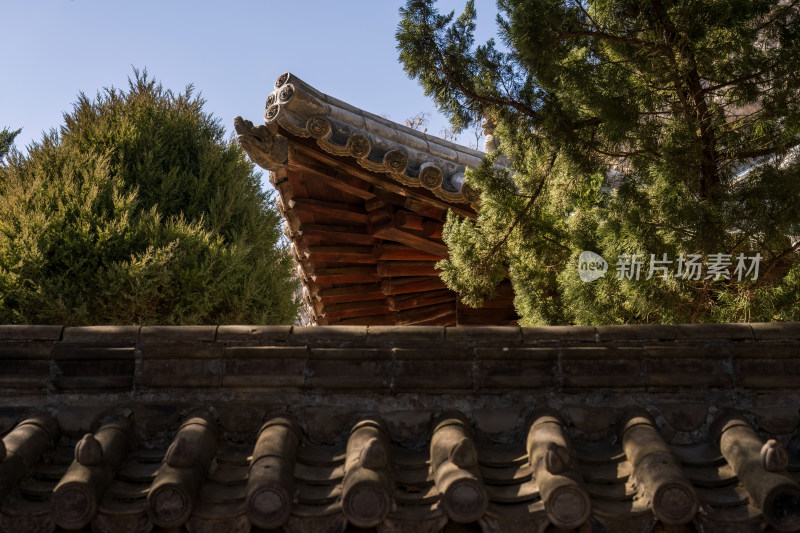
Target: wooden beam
x=336 y=234
x=345 y=275
x=352 y=186
x=400 y=252
x=389 y=232
x=419 y=299
x=389 y=269
x=340 y=254
x=415 y=284
x=379 y=181
x=407 y=220
x=422 y=314
x=351 y=293
x=375 y=203
x=379 y=217
x=341 y=212
x=447 y=320
x=424 y=209
x=412 y=316
x=432 y=229
x=355 y=309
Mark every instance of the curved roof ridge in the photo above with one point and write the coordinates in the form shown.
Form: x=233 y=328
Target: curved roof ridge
x=408 y=156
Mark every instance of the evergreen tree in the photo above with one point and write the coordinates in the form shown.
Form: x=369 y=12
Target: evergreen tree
x=633 y=129
x=139 y=211
x=7 y=141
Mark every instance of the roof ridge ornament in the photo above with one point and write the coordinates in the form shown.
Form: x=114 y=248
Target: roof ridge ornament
x=267 y=149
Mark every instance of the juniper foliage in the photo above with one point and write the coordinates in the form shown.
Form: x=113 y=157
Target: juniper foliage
x=139 y=211
x=7 y=141
x=630 y=127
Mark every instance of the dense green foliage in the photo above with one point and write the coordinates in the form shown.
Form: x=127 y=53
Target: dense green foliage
x=644 y=127
x=139 y=212
x=7 y=141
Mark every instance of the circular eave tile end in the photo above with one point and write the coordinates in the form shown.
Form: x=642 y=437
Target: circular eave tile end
x=269 y=508
x=74 y=505
x=366 y=504
x=465 y=500
x=675 y=504
x=568 y=506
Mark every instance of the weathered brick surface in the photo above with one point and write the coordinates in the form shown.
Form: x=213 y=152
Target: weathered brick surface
x=684 y=416
x=185 y=349
x=343 y=354
x=45 y=333
x=253 y=334
x=768 y=373
x=636 y=332
x=102 y=334
x=612 y=373
x=687 y=350
x=269 y=373
x=777 y=420
x=405 y=335
x=591 y=419
x=769 y=349
x=94 y=373
x=492 y=421
x=178 y=333
x=265 y=367
x=24 y=373
x=602 y=352
x=26 y=349
x=349 y=369
x=439 y=353
x=383 y=361
x=688 y=373
x=179 y=373
x=516 y=374
x=482 y=335
x=86 y=351
x=514 y=353
x=420 y=374
x=565 y=334
x=358 y=375
x=729 y=332
x=330 y=336
x=265 y=352
x=776 y=331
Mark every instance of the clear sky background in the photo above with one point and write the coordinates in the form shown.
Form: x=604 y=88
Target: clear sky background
x=232 y=51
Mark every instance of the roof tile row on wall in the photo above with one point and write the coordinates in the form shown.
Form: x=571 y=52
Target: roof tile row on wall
x=281 y=479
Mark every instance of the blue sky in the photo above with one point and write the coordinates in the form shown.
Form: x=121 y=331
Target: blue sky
x=231 y=51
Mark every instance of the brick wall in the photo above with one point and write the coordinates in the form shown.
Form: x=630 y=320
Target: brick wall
x=327 y=374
